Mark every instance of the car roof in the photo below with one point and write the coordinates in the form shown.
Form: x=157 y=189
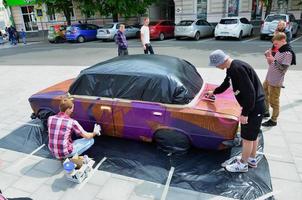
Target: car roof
x=173 y=79
x=154 y=64
x=232 y=17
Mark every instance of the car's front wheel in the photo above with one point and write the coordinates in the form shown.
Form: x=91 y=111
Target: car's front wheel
x=262 y=37
x=81 y=39
x=240 y=35
x=43 y=115
x=161 y=36
x=172 y=141
x=197 y=36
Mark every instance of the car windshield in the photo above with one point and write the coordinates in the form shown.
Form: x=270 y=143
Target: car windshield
x=228 y=21
x=185 y=23
x=69 y=28
x=108 y=26
x=153 y=23
x=271 y=18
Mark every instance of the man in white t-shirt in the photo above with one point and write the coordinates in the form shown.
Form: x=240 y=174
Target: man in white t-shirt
x=145 y=37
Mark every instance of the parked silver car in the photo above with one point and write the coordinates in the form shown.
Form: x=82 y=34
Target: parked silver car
x=271 y=21
x=193 y=29
x=109 y=31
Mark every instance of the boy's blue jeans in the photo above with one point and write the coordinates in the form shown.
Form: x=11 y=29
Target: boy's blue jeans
x=81 y=145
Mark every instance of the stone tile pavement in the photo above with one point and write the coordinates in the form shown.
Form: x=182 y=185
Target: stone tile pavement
x=41 y=178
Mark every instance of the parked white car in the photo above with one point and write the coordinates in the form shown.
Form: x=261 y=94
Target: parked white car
x=236 y=27
x=193 y=29
x=109 y=31
x=271 y=21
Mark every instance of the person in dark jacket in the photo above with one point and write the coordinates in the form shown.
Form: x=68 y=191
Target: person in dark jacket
x=121 y=41
x=249 y=93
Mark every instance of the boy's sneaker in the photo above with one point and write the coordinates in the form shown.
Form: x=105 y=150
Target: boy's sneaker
x=237 y=167
x=269 y=123
x=252 y=162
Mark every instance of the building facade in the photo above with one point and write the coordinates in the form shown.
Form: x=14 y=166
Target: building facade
x=214 y=10
x=4 y=16
x=32 y=17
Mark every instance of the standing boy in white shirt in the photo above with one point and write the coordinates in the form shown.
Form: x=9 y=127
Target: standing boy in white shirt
x=145 y=37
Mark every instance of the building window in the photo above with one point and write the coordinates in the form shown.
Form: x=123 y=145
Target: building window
x=29 y=18
x=233 y=8
x=202 y=9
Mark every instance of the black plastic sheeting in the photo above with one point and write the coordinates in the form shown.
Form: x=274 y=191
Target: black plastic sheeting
x=152 y=78
x=198 y=170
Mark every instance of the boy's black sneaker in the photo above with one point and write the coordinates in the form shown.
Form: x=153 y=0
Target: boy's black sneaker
x=269 y=123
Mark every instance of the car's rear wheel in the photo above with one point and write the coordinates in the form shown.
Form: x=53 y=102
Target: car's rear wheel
x=197 y=36
x=217 y=38
x=262 y=37
x=177 y=38
x=81 y=39
x=161 y=36
x=172 y=141
x=137 y=34
x=251 y=33
x=240 y=35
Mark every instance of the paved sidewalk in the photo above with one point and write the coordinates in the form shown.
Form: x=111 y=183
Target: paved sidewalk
x=41 y=178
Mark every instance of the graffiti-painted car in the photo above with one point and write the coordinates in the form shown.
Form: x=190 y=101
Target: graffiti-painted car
x=148 y=98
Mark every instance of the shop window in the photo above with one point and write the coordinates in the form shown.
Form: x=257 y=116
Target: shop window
x=202 y=9
x=29 y=18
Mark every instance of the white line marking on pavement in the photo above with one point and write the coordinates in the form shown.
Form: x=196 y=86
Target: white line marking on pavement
x=295 y=39
x=254 y=38
x=29 y=155
x=270 y=155
x=270 y=194
x=205 y=40
x=30 y=124
x=91 y=174
x=165 y=192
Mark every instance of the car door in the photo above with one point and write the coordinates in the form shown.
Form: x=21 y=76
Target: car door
x=134 y=118
x=207 y=28
x=137 y=119
x=129 y=31
x=91 y=31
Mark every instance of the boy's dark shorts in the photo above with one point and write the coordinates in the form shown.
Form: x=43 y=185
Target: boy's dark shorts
x=251 y=130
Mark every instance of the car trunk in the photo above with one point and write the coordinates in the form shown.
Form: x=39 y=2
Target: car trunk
x=225 y=104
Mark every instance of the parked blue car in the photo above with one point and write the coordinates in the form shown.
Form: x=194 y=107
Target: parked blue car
x=81 y=32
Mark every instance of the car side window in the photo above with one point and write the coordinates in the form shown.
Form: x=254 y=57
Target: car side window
x=164 y=23
x=198 y=23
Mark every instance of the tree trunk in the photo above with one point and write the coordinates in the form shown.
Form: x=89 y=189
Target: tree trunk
x=268 y=7
x=67 y=16
x=115 y=17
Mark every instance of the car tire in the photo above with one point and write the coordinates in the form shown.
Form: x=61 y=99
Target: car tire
x=262 y=37
x=240 y=35
x=251 y=33
x=177 y=38
x=172 y=141
x=81 y=39
x=161 y=36
x=137 y=34
x=217 y=38
x=114 y=38
x=197 y=36
x=43 y=115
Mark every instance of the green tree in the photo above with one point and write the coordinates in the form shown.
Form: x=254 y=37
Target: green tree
x=268 y=6
x=64 y=6
x=124 y=8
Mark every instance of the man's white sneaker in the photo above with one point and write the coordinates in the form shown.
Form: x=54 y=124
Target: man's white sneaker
x=237 y=167
x=252 y=162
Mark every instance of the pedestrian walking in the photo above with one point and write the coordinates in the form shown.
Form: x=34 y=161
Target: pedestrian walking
x=249 y=93
x=145 y=37
x=278 y=66
x=121 y=41
x=23 y=36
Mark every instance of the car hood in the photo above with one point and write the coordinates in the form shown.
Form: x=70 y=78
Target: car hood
x=60 y=88
x=225 y=103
